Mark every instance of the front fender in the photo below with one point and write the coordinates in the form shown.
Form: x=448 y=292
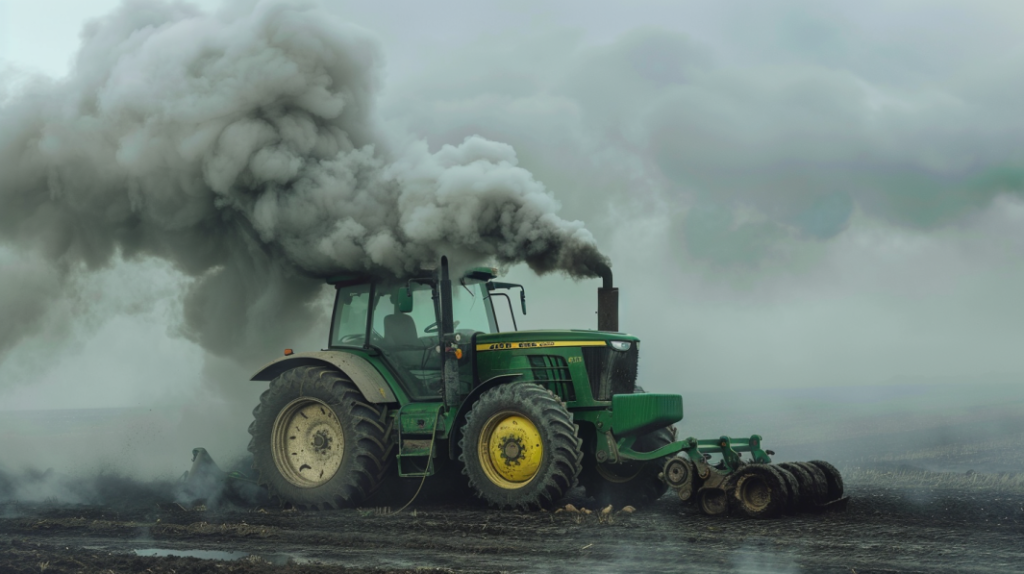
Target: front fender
x=370 y=382
x=460 y=417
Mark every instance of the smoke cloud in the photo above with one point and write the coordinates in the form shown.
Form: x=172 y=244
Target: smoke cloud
x=243 y=147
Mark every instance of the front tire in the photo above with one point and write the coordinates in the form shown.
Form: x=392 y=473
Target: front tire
x=520 y=448
x=316 y=443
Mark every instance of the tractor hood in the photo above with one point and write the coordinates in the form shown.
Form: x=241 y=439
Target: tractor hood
x=563 y=360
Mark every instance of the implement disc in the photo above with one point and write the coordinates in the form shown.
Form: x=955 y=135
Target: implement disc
x=712 y=501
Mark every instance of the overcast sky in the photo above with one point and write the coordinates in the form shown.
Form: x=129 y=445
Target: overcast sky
x=798 y=193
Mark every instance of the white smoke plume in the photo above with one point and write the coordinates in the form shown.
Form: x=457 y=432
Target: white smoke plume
x=243 y=147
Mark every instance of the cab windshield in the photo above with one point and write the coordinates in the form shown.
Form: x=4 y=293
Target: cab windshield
x=471 y=308
x=407 y=333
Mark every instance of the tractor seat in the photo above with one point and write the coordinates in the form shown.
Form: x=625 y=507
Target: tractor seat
x=416 y=357
x=400 y=331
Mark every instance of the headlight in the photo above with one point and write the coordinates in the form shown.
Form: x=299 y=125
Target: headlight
x=621 y=345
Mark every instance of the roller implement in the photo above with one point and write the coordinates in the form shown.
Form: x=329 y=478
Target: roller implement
x=418 y=379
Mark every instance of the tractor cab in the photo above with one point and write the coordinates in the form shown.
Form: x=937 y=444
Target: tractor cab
x=401 y=321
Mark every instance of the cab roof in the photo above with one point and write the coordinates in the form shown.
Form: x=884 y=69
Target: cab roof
x=351 y=277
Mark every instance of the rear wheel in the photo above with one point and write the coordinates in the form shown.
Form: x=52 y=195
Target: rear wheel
x=630 y=483
x=520 y=447
x=316 y=443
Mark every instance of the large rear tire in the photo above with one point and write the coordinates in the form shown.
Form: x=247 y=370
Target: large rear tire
x=520 y=448
x=316 y=442
x=630 y=483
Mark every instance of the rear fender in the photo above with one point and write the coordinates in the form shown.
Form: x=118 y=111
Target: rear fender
x=460 y=417
x=366 y=377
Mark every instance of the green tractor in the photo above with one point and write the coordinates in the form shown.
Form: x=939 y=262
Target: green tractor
x=419 y=378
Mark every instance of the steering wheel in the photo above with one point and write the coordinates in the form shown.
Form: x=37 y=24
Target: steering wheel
x=432 y=328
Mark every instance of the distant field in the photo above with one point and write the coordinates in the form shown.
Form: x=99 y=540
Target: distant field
x=900 y=432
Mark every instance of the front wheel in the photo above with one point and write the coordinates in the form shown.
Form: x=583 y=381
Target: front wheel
x=520 y=448
x=316 y=443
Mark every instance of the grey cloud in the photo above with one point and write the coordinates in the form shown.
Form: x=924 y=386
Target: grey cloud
x=801 y=144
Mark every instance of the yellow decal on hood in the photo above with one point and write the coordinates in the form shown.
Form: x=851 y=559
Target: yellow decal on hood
x=538 y=344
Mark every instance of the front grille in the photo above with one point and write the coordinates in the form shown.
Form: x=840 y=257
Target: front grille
x=553 y=372
x=611 y=372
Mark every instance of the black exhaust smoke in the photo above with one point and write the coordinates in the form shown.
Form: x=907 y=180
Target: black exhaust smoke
x=256 y=165
x=607 y=300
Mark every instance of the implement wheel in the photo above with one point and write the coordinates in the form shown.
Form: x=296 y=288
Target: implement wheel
x=760 y=491
x=820 y=482
x=712 y=501
x=833 y=480
x=520 y=447
x=681 y=474
x=807 y=491
x=792 y=487
x=316 y=443
x=629 y=483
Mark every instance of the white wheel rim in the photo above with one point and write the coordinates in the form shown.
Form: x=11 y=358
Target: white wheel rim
x=308 y=442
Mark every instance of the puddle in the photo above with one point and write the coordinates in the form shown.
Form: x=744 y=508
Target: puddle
x=275 y=559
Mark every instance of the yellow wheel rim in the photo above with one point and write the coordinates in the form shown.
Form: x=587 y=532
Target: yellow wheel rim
x=510 y=450
x=307 y=442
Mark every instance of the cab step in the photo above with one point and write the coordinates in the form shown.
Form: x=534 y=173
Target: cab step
x=418 y=425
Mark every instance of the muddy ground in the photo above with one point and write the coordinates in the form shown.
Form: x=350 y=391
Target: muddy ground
x=897 y=528
x=930 y=491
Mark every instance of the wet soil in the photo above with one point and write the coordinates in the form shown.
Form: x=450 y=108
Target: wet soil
x=885 y=528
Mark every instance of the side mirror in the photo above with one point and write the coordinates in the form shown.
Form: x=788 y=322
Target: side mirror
x=492 y=285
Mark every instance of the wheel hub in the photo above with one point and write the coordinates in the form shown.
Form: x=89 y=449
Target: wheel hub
x=308 y=442
x=677 y=472
x=510 y=449
x=321 y=441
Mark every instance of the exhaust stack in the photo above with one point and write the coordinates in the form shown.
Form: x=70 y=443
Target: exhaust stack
x=607 y=300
